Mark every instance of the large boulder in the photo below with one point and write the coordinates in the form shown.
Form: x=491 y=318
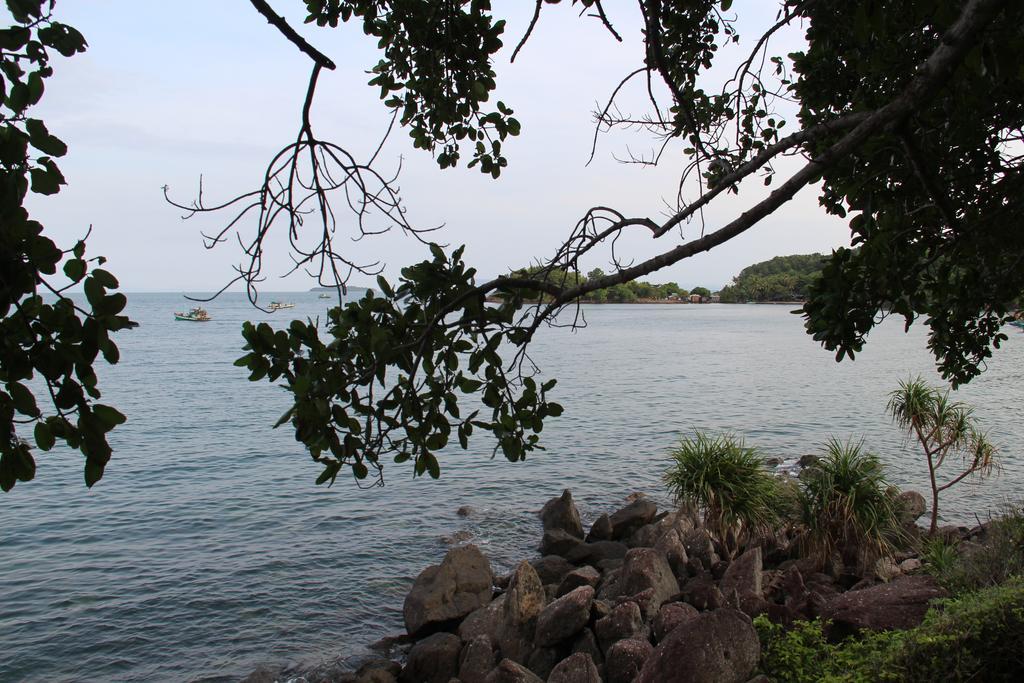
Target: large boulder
x=741 y=583
x=700 y=547
x=561 y=514
x=911 y=506
x=483 y=621
x=625 y=659
x=670 y=616
x=671 y=544
x=644 y=569
x=624 y=622
x=716 y=647
x=584 y=576
x=524 y=602
x=600 y=530
x=630 y=518
x=477 y=660
x=559 y=542
x=434 y=659
x=565 y=617
x=449 y=591
x=552 y=568
x=597 y=551
x=576 y=668
x=702 y=592
x=899 y=604
x=508 y=671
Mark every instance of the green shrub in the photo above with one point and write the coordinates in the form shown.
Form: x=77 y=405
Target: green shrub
x=728 y=483
x=976 y=637
x=846 y=506
x=968 y=567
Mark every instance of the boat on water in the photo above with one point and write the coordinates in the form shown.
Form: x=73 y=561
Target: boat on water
x=324 y=296
x=195 y=315
x=1018 y=323
x=278 y=305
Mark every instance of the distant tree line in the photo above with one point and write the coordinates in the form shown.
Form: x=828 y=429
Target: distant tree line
x=628 y=292
x=783 y=278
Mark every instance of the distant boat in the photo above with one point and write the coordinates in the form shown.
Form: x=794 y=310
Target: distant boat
x=1017 y=323
x=196 y=315
x=324 y=296
x=278 y=305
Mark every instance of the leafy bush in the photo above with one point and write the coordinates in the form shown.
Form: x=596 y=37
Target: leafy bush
x=727 y=482
x=846 y=506
x=968 y=567
x=977 y=637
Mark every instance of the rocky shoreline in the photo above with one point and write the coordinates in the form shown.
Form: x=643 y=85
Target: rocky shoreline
x=644 y=595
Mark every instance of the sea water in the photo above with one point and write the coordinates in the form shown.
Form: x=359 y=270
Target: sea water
x=207 y=550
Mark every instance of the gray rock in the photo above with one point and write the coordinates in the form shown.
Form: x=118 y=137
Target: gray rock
x=911 y=505
x=645 y=600
x=670 y=616
x=886 y=569
x=477 y=660
x=576 y=668
x=552 y=568
x=565 y=617
x=644 y=537
x=647 y=568
x=600 y=530
x=911 y=564
x=809 y=460
x=584 y=576
x=625 y=621
x=561 y=514
x=483 y=621
x=524 y=602
x=899 y=604
x=594 y=553
x=434 y=659
x=449 y=591
x=741 y=583
x=465 y=511
x=699 y=546
x=559 y=542
x=630 y=518
x=508 y=671
x=716 y=647
x=625 y=659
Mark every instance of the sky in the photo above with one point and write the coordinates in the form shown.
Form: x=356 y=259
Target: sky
x=169 y=91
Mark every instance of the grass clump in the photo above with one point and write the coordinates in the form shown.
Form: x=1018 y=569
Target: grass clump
x=846 y=506
x=968 y=566
x=728 y=483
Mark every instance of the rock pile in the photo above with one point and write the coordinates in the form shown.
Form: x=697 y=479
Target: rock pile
x=643 y=597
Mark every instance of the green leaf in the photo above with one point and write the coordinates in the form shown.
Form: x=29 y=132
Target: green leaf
x=44 y=437
x=75 y=269
x=108 y=416
x=93 y=472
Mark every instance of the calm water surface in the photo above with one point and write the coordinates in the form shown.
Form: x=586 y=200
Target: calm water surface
x=206 y=549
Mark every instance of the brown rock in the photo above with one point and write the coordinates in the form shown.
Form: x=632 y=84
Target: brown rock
x=552 y=568
x=576 y=668
x=477 y=660
x=647 y=568
x=630 y=518
x=565 y=617
x=524 y=602
x=559 y=542
x=741 y=583
x=594 y=553
x=601 y=530
x=561 y=514
x=434 y=659
x=716 y=647
x=899 y=604
x=508 y=671
x=483 y=621
x=702 y=592
x=584 y=576
x=444 y=593
x=624 y=621
x=670 y=616
x=671 y=544
x=911 y=505
x=625 y=659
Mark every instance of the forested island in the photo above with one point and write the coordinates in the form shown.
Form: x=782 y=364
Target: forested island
x=783 y=278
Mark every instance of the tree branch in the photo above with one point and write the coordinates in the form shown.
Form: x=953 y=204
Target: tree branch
x=291 y=34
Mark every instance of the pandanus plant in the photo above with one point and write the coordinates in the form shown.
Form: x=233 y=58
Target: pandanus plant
x=947 y=432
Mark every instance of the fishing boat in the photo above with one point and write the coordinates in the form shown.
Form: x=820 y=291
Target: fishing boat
x=195 y=315
x=278 y=305
x=324 y=296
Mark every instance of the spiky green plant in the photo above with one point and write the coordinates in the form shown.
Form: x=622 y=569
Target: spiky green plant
x=728 y=483
x=946 y=431
x=846 y=505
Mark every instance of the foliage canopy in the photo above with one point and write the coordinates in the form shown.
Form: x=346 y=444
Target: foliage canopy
x=910 y=115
